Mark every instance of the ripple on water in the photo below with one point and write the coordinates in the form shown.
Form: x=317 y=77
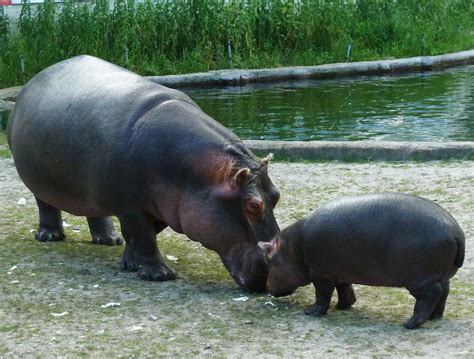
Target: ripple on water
x=435 y=106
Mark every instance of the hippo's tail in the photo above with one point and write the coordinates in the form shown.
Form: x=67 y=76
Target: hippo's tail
x=460 y=240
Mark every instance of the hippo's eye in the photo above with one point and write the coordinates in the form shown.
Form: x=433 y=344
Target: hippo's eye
x=254 y=206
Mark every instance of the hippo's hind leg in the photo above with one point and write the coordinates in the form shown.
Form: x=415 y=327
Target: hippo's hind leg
x=103 y=231
x=439 y=309
x=50 y=223
x=427 y=298
x=324 y=291
x=141 y=251
x=345 y=296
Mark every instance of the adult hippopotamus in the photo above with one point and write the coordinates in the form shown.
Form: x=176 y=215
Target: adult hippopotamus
x=96 y=140
x=387 y=239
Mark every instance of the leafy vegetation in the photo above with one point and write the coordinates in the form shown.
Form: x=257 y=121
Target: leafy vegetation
x=170 y=36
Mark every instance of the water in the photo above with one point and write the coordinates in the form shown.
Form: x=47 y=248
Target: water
x=435 y=106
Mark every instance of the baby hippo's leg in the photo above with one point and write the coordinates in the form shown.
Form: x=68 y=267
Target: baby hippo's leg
x=427 y=298
x=346 y=296
x=324 y=290
x=439 y=309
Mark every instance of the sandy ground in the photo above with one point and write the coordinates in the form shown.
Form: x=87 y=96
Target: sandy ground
x=52 y=294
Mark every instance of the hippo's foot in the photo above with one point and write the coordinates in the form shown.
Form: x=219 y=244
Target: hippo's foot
x=427 y=303
x=49 y=234
x=128 y=262
x=111 y=239
x=103 y=231
x=435 y=316
x=346 y=296
x=414 y=322
x=315 y=311
x=153 y=272
x=158 y=273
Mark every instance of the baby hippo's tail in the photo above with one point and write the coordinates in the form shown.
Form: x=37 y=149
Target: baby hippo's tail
x=461 y=248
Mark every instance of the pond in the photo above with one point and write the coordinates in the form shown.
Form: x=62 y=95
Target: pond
x=433 y=106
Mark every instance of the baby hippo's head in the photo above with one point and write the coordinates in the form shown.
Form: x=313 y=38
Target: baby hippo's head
x=282 y=277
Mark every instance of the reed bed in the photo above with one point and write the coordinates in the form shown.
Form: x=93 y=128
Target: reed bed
x=179 y=36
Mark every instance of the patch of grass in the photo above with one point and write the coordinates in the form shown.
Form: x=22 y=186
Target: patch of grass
x=4 y=150
x=3 y=138
x=196 y=315
x=5 y=153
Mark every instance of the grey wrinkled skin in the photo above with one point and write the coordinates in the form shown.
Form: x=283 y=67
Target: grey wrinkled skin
x=387 y=239
x=96 y=140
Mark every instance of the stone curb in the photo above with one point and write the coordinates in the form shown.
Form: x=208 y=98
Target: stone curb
x=363 y=150
x=352 y=69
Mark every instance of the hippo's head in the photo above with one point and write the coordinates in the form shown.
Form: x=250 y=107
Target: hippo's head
x=231 y=215
x=283 y=278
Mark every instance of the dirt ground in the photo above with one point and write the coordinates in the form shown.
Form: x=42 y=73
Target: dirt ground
x=53 y=298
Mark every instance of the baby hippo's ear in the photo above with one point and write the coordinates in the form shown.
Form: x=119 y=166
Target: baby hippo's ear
x=268 y=248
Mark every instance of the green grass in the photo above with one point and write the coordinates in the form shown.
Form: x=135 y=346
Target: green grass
x=198 y=310
x=194 y=312
x=4 y=151
x=166 y=37
x=3 y=138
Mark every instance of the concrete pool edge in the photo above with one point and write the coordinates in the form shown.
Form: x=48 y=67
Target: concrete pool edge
x=363 y=150
x=242 y=77
x=349 y=69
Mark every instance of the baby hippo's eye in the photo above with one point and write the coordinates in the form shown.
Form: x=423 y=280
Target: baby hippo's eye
x=254 y=206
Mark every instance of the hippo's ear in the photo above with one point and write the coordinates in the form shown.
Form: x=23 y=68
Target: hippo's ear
x=231 y=187
x=240 y=176
x=268 y=248
x=267 y=159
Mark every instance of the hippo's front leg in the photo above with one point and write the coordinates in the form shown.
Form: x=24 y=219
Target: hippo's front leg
x=141 y=251
x=324 y=290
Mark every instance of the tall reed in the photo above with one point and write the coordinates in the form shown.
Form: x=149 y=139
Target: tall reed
x=175 y=36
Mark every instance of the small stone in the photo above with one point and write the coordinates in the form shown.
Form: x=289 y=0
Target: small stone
x=111 y=304
x=241 y=299
x=153 y=317
x=248 y=321
x=22 y=202
x=59 y=314
x=85 y=271
x=135 y=328
x=207 y=346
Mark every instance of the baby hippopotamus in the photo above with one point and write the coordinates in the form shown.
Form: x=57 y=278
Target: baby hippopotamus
x=386 y=239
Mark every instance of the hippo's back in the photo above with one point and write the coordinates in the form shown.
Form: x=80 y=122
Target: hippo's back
x=385 y=239
x=83 y=96
x=74 y=124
